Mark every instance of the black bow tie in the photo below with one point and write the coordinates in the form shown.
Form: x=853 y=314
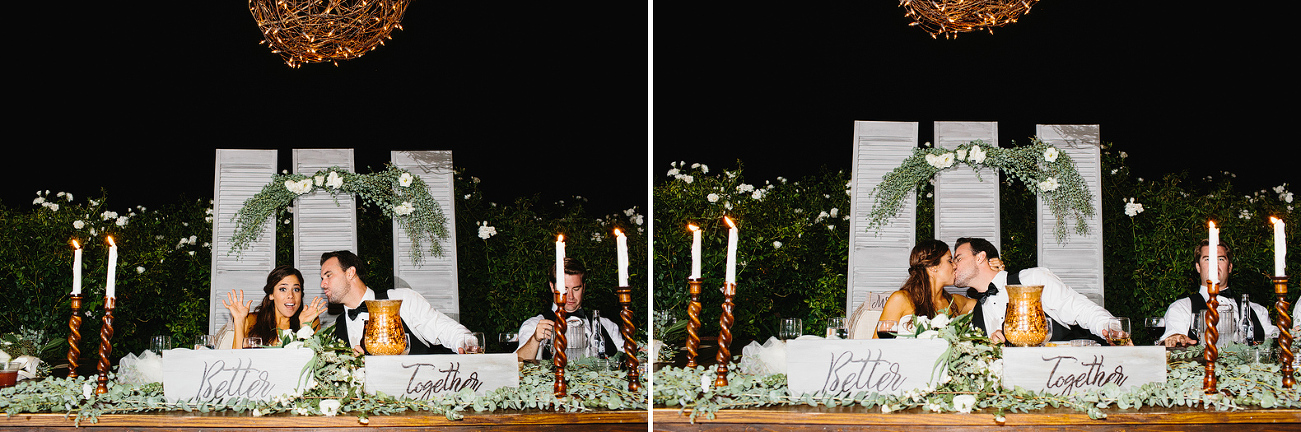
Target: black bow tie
x=1226 y=293
x=352 y=313
x=981 y=296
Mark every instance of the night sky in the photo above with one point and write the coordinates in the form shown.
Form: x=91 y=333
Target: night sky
x=1176 y=86
x=530 y=97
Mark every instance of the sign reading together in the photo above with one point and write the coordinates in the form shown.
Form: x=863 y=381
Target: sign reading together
x=1066 y=370
x=426 y=376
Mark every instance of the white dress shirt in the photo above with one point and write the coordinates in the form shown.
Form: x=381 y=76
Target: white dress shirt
x=430 y=326
x=1179 y=316
x=530 y=325
x=1060 y=302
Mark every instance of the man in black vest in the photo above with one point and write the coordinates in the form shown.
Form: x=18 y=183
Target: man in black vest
x=1071 y=311
x=429 y=329
x=1179 y=316
x=540 y=328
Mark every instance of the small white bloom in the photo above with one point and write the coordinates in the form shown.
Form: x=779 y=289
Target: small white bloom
x=885 y=409
x=743 y=188
x=38 y=200
x=140 y=269
x=1050 y=154
x=257 y=412
x=928 y=334
x=776 y=245
x=964 y=403
x=713 y=197
x=687 y=178
x=405 y=180
x=333 y=180
x=673 y=172
x=1132 y=208
x=638 y=220
x=704 y=169
x=940 y=321
x=833 y=212
x=121 y=221
x=977 y=154
x=87 y=389
x=758 y=195
x=319 y=180
x=78 y=224
x=821 y=216
x=705 y=382
x=330 y=407
x=305 y=332
x=1049 y=185
x=1244 y=214
x=1124 y=155
x=486 y=231
x=404 y=209
x=962 y=154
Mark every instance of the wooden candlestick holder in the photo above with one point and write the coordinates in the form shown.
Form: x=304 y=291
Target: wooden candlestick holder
x=558 y=357
x=105 y=346
x=1212 y=335
x=74 y=336
x=693 y=322
x=627 y=328
x=1284 y=330
x=725 y=321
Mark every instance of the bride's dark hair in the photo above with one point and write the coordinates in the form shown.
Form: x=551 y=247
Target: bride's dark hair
x=927 y=253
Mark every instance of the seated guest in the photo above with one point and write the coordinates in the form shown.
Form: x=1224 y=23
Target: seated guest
x=540 y=328
x=930 y=269
x=281 y=309
x=1179 y=316
x=426 y=327
x=1061 y=303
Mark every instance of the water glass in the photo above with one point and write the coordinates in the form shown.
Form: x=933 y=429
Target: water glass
x=791 y=328
x=836 y=328
x=885 y=329
x=205 y=342
x=1118 y=331
x=252 y=342
x=160 y=343
x=476 y=347
x=9 y=374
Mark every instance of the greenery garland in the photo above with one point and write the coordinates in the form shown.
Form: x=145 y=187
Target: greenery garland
x=339 y=376
x=400 y=195
x=975 y=375
x=1046 y=171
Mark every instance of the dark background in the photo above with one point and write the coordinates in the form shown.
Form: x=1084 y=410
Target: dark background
x=530 y=97
x=1177 y=86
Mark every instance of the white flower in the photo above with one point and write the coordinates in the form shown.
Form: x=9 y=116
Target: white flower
x=257 y=412
x=686 y=178
x=319 y=180
x=928 y=334
x=885 y=409
x=638 y=220
x=404 y=209
x=38 y=200
x=833 y=212
x=334 y=180
x=1049 y=185
x=705 y=381
x=977 y=154
x=1050 y=154
x=1244 y=214
x=776 y=245
x=329 y=407
x=673 y=172
x=940 y=161
x=704 y=169
x=962 y=154
x=305 y=332
x=486 y=231
x=940 y=321
x=140 y=269
x=121 y=221
x=87 y=389
x=1132 y=208
x=743 y=188
x=1124 y=155
x=404 y=180
x=78 y=224
x=299 y=187
x=108 y=215
x=758 y=194
x=359 y=375
x=713 y=197
x=964 y=403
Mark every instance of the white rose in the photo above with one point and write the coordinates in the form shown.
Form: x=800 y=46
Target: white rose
x=940 y=321
x=705 y=382
x=758 y=195
x=1050 y=154
x=776 y=245
x=962 y=154
x=929 y=334
x=78 y=224
x=712 y=197
x=687 y=178
x=964 y=403
x=487 y=231
x=305 y=332
x=38 y=200
x=319 y=180
x=121 y=221
x=405 y=179
x=330 y=407
x=1049 y=185
x=334 y=180
x=977 y=154
x=673 y=172
x=404 y=209
x=140 y=270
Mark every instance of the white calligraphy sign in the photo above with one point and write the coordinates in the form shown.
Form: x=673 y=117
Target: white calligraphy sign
x=426 y=376
x=846 y=367
x=211 y=375
x=1065 y=370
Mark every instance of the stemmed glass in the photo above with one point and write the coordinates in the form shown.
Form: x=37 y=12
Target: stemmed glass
x=885 y=329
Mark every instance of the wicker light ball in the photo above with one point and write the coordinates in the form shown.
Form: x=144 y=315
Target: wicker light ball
x=950 y=17
x=314 y=31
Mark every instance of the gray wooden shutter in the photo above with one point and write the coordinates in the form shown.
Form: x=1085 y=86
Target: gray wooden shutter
x=435 y=277
x=878 y=260
x=1077 y=260
x=240 y=174
x=966 y=206
x=320 y=225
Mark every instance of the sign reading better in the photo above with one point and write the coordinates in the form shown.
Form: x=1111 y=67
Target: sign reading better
x=211 y=375
x=846 y=367
x=1064 y=370
x=426 y=376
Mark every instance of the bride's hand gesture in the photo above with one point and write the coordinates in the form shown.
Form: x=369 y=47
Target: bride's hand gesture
x=311 y=311
x=238 y=310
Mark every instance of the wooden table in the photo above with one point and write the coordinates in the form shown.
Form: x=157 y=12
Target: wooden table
x=530 y=420
x=807 y=418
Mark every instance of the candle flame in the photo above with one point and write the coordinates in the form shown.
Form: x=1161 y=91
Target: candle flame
x=730 y=224
x=75 y=245
x=560 y=238
x=1212 y=224
x=618 y=233
x=110 y=241
x=693 y=227
x=1274 y=220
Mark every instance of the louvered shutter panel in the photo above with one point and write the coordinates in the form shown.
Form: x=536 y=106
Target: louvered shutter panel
x=1078 y=260
x=966 y=205
x=878 y=260
x=240 y=174
x=320 y=225
x=435 y=277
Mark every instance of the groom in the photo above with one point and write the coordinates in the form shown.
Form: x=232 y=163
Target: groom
x=1065 y=306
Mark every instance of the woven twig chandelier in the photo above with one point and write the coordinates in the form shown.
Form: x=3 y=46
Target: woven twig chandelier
x=950 y=17
x=313 y=31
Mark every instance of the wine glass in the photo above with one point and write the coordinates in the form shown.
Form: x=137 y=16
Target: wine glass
x=252 y=342
x=885 y=329
x=476 y=347
x=791 y=328
x=205 y=342
x=509 y=341
x=836 y=328
x=1118 y=332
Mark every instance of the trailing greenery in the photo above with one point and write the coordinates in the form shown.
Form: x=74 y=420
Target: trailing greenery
x=339 y=377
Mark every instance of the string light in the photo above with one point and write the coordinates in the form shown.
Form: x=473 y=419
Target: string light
x=316 y=31
x=950 y=17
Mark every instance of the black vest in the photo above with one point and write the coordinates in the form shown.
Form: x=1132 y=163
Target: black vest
x=1196 y=305
x=609 y=347
x=417 y=346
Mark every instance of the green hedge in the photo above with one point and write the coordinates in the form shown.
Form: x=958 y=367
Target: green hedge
x=164 y=279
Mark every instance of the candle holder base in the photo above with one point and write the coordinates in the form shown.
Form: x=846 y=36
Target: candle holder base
x=1212 y=336
x=725 y=321
x=559 y=359
x=74 y=336
x=627 y=330
x=1285 y=331
x=105 y=345
x=693 y=322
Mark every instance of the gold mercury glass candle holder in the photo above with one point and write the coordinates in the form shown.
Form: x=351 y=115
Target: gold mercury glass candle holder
x=383 y=330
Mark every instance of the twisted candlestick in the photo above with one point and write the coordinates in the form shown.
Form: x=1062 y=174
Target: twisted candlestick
x=74 y=336
x=1285 y=331
x=693 y=322
x=725 y=333
x=558 y=357
x=1212 y=335
x=629 y=346
x=105 y=347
